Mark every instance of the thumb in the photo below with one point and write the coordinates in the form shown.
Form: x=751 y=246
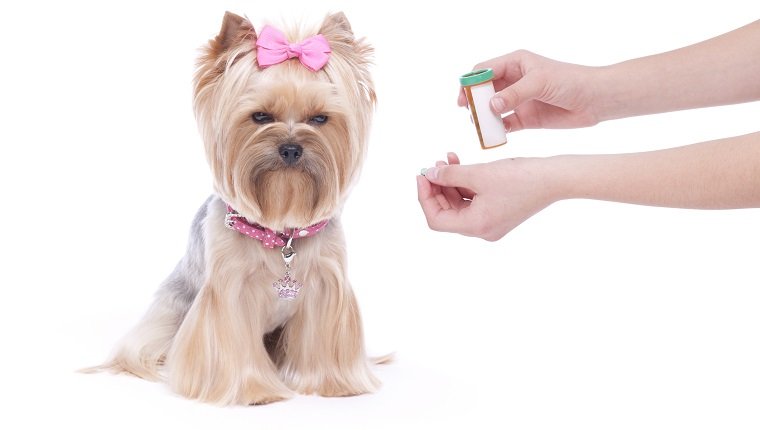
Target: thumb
x=451 y=175
x=529 y=87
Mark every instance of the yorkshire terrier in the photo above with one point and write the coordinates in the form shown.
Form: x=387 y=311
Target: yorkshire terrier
x=260 y=307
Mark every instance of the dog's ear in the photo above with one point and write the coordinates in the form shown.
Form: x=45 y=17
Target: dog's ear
x=336 y=28
x=349 y=65
x=236 y=39
x=235 y=29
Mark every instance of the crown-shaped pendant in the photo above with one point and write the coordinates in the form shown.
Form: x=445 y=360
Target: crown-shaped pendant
x=287 y=287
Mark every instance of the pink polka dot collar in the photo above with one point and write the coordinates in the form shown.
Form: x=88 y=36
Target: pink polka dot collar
x=269 y=238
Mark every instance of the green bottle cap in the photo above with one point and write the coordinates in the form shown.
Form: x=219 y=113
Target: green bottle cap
x=476 y=77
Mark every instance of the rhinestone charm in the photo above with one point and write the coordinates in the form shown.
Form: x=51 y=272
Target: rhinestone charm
x=287 y=287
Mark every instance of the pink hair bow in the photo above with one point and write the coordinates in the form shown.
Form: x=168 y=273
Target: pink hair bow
x=273 y=48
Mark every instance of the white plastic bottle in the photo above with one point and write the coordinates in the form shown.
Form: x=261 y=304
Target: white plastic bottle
x=478 y=87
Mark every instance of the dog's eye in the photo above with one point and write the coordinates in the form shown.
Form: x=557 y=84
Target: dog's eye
x=318 y=120
x=262 y=118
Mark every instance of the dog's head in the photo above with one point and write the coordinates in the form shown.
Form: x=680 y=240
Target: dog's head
x=284 y=143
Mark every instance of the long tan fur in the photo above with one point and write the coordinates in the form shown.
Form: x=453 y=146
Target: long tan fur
x=217 y=330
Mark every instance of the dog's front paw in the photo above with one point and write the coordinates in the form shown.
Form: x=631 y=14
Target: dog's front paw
x=262 y=390
x=337 y=383
x=228 y=391
x=348 y=388
x=257 y=396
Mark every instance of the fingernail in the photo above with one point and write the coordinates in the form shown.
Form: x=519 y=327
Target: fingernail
x=430 y=172
x=497 y=104
x=423 y=171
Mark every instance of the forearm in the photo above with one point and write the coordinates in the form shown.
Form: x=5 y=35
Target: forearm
x=719 y=71
x=720 y=174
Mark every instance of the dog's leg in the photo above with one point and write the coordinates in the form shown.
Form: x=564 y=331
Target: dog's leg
x=322 y=347
x=219 y=355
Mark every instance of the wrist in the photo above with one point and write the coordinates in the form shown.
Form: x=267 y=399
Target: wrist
x=556 y=176
x=614 y=92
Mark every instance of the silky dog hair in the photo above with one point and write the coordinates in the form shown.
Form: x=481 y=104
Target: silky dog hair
x=217 y=330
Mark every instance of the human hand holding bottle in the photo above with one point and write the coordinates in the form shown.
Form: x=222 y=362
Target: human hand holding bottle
x=489 y=200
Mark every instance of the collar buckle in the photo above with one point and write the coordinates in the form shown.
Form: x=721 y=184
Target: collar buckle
x=229 y=219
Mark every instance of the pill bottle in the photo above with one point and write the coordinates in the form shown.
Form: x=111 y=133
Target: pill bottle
x=478 y=87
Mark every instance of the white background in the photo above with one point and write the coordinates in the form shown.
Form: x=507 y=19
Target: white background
x=590 y=315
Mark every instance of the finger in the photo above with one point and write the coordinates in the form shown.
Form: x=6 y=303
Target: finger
x=463 y=193
x=466 y=193
x=437 y=218
x=462 y=99
x=453 y=197
x=452 y=158
x=431 y=192
x=509 y=68
x=426 y=195
x=437 y=190
x=429 y=199
x=530 y=87
x=500 y=84
x=444 y=195
x=455 y=175
x=512 y=123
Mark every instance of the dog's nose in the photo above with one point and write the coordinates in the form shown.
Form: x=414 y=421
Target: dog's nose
x=290 y=152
